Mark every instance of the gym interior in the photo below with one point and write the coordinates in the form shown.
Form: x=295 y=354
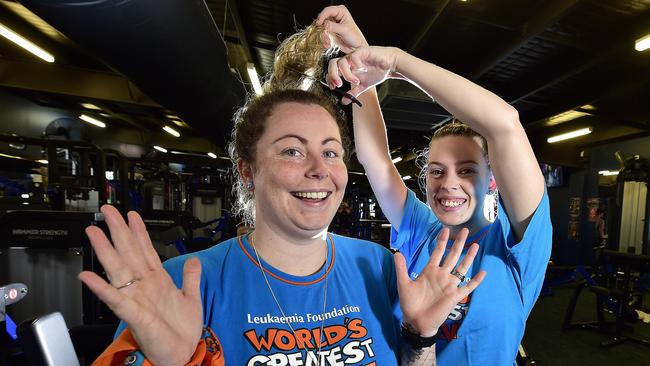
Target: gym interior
x=131 y=104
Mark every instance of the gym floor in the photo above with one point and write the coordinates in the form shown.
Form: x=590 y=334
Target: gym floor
x=548 y=344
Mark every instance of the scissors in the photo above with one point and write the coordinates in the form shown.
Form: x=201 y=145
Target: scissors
x=338 y=91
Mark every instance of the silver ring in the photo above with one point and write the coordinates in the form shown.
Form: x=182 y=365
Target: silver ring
x=127 y=284
x=458 y=275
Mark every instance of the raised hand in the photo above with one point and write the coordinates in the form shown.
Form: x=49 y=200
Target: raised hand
x=165 y=321
x=427 y=301
x=340 y=29
x=363 y=68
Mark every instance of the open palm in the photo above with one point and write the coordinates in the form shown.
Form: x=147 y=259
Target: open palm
x=427 y=301
x=164 y=320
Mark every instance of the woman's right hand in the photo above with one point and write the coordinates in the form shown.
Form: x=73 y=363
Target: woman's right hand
x=165 y=321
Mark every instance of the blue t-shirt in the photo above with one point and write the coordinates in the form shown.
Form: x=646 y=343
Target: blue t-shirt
x=361 y=319
x=493 y=318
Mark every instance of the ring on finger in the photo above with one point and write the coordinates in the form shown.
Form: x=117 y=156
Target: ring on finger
x=458 y=275
x=127 y=284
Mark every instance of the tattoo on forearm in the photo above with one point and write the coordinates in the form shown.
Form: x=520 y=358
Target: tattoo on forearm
x=417 y=357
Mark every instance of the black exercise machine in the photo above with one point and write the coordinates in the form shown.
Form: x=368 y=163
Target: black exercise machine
x=617 y=276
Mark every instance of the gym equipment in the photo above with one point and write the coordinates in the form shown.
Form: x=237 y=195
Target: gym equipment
x=10 y=294
x=46 y=341
x=632 y=182
x=617 y=276
x=74 y=170
x=47 y=250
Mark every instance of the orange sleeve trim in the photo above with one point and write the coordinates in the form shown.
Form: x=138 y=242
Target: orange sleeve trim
x=208 y=351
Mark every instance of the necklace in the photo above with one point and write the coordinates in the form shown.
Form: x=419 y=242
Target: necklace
x=277 y=302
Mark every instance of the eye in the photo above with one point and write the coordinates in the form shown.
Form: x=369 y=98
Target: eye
x=436 y=172
x=292 y=152
x=467 y=171
x=331 y=154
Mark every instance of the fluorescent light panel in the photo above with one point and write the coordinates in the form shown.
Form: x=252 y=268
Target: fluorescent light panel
x=406 y=177
x=171 y=131
x=255 y=80
x=397 y=160
x=92 y=121
x=90 y=106
x=569 y=135
x=26 y=44
x=160 y=148
x=565 y=117
x=11 y=156
x=608 y=172
x=212 y=155
x=642 y=44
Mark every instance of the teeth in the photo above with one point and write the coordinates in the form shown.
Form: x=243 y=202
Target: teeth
x=450 y=203
x=311 y=195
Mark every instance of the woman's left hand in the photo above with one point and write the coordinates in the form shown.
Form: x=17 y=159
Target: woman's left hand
x=427 y=301
x=364 y=68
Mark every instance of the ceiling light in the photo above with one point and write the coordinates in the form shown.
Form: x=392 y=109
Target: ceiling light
x=606 y=173
x=171 y=131
x=642 y=44
x=90 y=106
x=565 y=117
x=172 y=116
x=397 y=160
x=42 y=161
x=11 y=156
x=212 y=155
x=569 y=135
x=406 y=177
x=24 y=43
x=24 y=195
x=92 y=121
x=255 y=80
x=588 y=107
x=161 y=149
x=179 y=123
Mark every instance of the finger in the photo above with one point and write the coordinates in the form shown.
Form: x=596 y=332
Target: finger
x=115 y=268
x=471 y=285
x=456 y=249
x=192 y=278
x=335 y=28
x=326 y=39
x=357 y=65
x=124 y=307
x=441 y=245
x=336 y=12
x=139 y=230
x=468 y=259
x=333 y=77
x=403 y=279
x=123 y=239
x=344 y=69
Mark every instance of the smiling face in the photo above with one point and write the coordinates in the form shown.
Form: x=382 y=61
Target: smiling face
x=457 y=181
x=299 y=172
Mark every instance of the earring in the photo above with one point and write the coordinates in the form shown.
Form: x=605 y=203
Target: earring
x=250 y=185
